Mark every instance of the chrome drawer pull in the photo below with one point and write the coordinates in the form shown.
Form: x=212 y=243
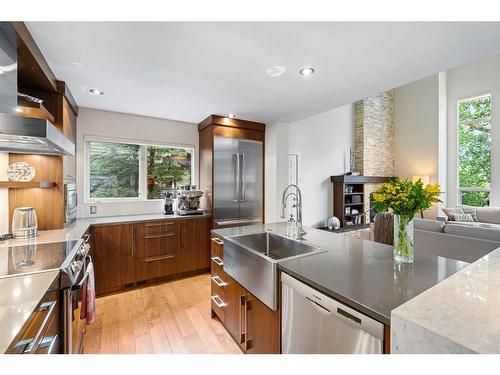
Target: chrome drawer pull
x=49 y=306
x=159 y=235
x=161 y=257
x=218 y=261
x=218 y=301
x=218 y=241
x=217 y=280
x=158 y=224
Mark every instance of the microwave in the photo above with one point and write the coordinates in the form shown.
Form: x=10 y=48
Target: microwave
x=70 y=203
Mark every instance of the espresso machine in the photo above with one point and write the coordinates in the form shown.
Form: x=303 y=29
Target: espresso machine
x=187 y=201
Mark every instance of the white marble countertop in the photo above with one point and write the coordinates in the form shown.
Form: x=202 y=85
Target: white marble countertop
x=459 y=315
x=76 y=230
x=19 y=296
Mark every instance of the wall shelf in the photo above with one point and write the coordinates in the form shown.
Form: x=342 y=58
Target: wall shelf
x=27 y=185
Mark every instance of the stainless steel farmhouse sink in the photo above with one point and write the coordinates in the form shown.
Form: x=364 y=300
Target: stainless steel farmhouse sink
x=252 y=260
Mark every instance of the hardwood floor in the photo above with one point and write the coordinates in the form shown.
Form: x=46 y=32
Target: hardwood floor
x=168 y=318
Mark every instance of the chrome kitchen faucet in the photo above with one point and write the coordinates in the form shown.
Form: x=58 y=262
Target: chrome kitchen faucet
x=298 y=206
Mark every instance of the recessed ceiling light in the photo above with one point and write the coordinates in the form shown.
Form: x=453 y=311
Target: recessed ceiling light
x=96 y=92
x=306 y=71
x=231 y=115
x=275 y=70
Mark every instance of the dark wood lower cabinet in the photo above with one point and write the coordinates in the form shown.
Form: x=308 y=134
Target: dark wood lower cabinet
x=112 y=251
x=253 y=325
x=195 y=239
x=129 y=254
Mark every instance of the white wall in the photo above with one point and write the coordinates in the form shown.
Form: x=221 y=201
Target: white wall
x=467 y=81
x=321 y=142
x=276 y=172
x=136 y=128
x=416 y=131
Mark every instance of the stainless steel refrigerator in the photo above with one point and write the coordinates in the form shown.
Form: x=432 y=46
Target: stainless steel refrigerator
x=238 y=181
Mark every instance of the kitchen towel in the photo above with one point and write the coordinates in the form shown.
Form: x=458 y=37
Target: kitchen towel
x=88 y=310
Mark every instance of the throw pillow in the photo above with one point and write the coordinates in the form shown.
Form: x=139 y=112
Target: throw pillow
x=470 y=210
x=465 y=218
x=449 y=212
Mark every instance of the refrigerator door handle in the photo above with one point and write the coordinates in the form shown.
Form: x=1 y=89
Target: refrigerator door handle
x=236 y=176
x=243 y=182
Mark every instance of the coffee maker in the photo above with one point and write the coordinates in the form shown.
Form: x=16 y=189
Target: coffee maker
x=169 y=202
x=188 y=201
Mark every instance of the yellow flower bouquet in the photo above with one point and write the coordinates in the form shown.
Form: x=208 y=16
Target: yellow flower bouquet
x=404 y=198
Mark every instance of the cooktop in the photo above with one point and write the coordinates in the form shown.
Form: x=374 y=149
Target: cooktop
x=22 y=259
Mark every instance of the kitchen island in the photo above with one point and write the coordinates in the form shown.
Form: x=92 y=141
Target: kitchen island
x=360 y=274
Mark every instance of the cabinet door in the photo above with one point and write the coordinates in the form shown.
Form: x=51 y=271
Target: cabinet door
x=158 y=248
x=251 y=167
x=195 y=245
x=113 y=256
x=226 y=178
x=234 y=314
x=69 y=130
x=262 y=334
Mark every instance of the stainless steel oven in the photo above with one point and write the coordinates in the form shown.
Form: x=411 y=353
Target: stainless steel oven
x=70 y=203
x=75 y=276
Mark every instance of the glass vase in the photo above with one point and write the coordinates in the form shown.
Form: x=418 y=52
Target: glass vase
x=403 y=238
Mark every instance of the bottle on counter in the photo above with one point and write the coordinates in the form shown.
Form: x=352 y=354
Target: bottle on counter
x=291 y=227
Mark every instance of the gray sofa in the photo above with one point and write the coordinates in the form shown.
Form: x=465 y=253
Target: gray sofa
x=456 y=240
x=462 y=241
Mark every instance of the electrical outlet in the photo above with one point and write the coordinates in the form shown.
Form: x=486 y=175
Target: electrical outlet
x=93 y=210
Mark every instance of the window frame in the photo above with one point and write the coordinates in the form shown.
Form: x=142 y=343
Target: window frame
x=143 y=193
x=472 y=189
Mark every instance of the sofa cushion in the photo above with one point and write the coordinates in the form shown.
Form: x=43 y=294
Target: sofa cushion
x=467 y=218
x=477 y=230
x=429 y=225
x=488 y=214
x=450 y=211
x=470 y=210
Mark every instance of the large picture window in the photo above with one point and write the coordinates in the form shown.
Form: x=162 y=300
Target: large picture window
x=474 y=151
x=119 y=170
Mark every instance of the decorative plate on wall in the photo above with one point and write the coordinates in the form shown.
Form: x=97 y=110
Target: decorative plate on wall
x=20 y=172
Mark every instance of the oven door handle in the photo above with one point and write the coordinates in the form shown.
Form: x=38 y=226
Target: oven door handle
x=85 y=276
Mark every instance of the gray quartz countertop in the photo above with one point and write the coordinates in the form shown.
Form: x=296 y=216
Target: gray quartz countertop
x=361 y=274
x=76 y=230
x=19 y=296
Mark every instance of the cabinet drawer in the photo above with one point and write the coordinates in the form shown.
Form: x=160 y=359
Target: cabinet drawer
x=219 y=306
x=158 y=266
x=216 y=247
x=158 y=239
x=218 y=286
x=158 y=228
x=216 y=265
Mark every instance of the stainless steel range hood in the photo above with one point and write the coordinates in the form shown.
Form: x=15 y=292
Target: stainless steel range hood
x=27 y=135
x=20 y=134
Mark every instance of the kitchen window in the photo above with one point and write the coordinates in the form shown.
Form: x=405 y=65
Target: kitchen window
x=474 y=151
x=119 y=170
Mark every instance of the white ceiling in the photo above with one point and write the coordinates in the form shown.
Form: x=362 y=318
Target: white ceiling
x=187 y=71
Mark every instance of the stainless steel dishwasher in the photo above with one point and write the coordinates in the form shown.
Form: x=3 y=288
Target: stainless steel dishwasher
x=315 y=323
